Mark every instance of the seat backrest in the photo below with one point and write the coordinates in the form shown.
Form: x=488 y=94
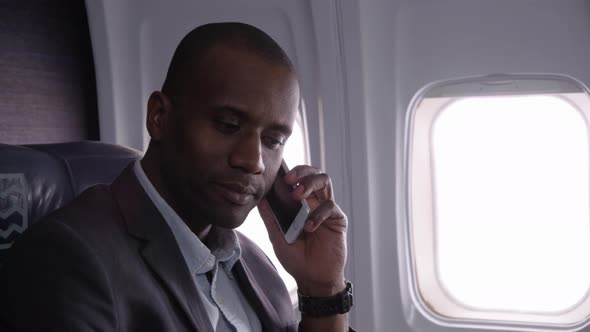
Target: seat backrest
x=37 y=179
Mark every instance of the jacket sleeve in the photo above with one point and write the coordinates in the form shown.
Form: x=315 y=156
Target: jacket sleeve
x=53 y=281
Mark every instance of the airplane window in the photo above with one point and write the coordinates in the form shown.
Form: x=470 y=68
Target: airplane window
x=295 y=153
x=499 y=202
x=511 y=200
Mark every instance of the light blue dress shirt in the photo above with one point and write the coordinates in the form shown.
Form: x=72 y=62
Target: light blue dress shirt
x=224 y=302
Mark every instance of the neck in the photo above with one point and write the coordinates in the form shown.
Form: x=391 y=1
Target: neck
x=153 y=170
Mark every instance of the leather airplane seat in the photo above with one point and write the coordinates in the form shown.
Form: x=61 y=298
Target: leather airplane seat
x=38 y=179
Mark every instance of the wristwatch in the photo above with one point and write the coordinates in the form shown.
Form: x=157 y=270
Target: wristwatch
x=326 y=306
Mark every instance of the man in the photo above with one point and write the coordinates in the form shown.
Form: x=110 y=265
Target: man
x=156 y=250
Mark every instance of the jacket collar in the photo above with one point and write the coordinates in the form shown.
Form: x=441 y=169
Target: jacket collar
x=160 y=250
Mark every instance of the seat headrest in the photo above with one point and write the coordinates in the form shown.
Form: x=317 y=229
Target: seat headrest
x=37 y=179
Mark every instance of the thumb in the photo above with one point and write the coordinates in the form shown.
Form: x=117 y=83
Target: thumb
x=274 y=232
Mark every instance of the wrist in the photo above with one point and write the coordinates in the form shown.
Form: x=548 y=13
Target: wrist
x=322 y=289
x=324 y=306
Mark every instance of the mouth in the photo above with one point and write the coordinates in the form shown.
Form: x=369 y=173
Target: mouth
x=236 y=193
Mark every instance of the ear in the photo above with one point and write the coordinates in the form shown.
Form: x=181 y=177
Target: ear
x=159 y=109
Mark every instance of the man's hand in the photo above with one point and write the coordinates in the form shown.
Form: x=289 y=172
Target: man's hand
x=316 y=259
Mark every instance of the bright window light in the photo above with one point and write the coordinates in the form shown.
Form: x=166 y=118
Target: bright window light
x=511 y=201
x=294 y=154
x=498 y=190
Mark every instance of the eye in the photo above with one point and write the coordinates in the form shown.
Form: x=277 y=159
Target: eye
x=273 y=142
x=227 y=126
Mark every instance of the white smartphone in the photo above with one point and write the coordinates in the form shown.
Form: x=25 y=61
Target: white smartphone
x=290 y=214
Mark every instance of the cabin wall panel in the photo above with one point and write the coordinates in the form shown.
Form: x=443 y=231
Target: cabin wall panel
x=47 y=87
x=407 y=44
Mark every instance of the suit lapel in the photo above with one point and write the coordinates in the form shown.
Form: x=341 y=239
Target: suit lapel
x=266 y=313
x=161 y=251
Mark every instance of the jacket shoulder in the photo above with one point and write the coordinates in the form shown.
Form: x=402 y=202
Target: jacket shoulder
x=93 y=214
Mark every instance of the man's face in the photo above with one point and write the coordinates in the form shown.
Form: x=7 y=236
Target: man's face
x=225 y=137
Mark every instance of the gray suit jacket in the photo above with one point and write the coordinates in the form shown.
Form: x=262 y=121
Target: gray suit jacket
x=109 y=262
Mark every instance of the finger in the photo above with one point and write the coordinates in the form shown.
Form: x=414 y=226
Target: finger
x=274 y=232
x=328 y=210
x=319 y=185
x=294 y=175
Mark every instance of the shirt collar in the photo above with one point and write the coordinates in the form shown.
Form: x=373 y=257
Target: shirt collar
x=224 y=244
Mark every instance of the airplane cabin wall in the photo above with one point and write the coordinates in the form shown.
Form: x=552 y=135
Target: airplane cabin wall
x=407 y=44
x=360 y=63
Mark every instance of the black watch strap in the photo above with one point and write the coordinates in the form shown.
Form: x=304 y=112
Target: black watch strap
x=327 y=306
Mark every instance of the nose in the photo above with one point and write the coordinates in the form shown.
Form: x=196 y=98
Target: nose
x=247 y=154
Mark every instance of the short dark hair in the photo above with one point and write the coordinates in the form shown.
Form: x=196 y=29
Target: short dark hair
x=195 y=45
